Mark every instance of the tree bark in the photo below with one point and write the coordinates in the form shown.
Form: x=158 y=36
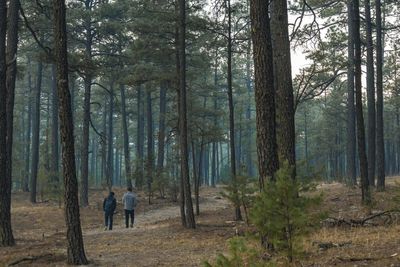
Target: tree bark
x=267 y=153
x=127 y=155
x=189 y=215
x=87 y=79
x=150 y=145
x=351 y=113
x=110 y=152
x=6 y=235
x=249 y=129
x=370 y=95
x=28 y=131
x=366 y=198
x=35 y=132
x=285 y=132
x=54 y=162
x=161 y=127
x=76 y=252
x=140 y=139
x=380 y=144
x=238 y=215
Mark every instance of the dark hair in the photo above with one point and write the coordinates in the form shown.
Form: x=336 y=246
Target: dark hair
x=112 y=194
x=130 y=189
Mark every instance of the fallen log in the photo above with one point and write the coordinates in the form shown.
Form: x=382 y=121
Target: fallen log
x=331 y=221
x=31 y=259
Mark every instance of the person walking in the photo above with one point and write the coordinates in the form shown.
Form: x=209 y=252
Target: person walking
x=129 y=200
x=109 y=205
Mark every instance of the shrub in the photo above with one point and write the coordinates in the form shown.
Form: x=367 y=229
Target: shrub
x=283 y=213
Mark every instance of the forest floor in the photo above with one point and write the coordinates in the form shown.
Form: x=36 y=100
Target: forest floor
x=158 y=239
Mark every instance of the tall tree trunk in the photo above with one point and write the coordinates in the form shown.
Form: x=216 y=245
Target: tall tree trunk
x=264 y=91
x=161 y=127
x=35 y=132
x=150 y=144
x=285 y=132
x=238 y=215
x=104 y=145
x=28 y=131
x=6 y=235
x=128 y=172
x=85 y=143
x=380 y=144
x=249 y=129
x=366 y=198
x=87 y=80
x=196 y=176
x=76 y=252
x=351 y=113
x=214 y=159
x=370 y=95
x=189 y=215
x=140 y=139
x=54 y=132
x=110 y=154
x=11 y=59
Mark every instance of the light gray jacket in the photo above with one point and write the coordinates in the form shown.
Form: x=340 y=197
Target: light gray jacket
x=129 y=200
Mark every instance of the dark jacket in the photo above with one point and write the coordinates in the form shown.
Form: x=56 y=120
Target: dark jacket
x=109 y=203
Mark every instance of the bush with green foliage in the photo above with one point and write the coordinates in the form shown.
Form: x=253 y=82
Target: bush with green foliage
x=283 y=213
x=241 y=192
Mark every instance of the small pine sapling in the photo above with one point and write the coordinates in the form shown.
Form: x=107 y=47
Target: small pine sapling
x=283 y=213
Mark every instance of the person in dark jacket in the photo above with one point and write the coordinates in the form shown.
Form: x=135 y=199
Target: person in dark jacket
x=109 y=205
x=130 y=201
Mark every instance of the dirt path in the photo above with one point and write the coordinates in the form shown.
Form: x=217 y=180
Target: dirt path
x=150 y=219
x=157 y=238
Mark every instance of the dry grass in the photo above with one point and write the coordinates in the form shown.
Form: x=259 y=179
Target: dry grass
x=159 y=240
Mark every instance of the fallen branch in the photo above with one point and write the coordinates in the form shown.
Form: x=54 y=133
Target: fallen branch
x=331 y=221
x=31 y=259
x=358 y=259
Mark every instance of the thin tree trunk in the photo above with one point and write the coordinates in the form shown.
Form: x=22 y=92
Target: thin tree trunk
x=249 y=129
x=29 y=128
x=380 y=144
x=104 y=145
x=366 y=198
x=35 y=132
x=140 y=139
x=110 y=154
x=150 y=145
x=127 y=155
x=238 y=215
x=76 y=252
x=161 y=127
x=351 y=113
x=189 y=215
x=370 y=95
x=54 y=132
x=264 y=92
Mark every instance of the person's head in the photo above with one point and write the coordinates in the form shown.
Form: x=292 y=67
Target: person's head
x=129 y=189
x=111 y=194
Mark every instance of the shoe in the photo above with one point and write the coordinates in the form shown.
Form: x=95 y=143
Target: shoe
x=105 y=228
x=131 y=225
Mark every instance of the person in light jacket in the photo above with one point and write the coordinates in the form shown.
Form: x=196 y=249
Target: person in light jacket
x=129 y=200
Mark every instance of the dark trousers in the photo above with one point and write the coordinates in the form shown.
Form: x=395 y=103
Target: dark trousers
x=129 y=213
x=108 y=219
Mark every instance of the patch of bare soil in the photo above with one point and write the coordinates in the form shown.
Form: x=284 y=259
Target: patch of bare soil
x=157 y=239
x=376 y=243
